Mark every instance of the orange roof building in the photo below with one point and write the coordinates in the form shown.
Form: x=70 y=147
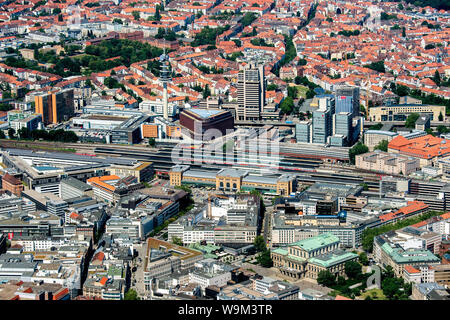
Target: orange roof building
x=412 y=208
x=104 y=187
x=426 y=147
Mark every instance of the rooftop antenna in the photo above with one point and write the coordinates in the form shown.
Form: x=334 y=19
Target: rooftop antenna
x=164 y=77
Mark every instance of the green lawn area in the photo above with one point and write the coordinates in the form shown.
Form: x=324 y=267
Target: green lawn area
x=301 y=91
x=375 y=294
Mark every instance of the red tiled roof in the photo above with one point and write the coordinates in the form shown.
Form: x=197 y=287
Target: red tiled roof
x=426 y=147
x=103 y=281
x=410 y=269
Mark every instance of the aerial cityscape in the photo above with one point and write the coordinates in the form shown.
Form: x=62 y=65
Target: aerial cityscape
x=224 y=150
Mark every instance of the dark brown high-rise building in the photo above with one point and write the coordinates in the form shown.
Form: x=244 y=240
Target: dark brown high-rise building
x=198 y=121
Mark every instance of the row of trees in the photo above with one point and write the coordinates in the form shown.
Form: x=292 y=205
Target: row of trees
x=349 y=33
x=289 y=54
x=438 y=4
x=186 y=204
x=59 y=135
x=370 y=233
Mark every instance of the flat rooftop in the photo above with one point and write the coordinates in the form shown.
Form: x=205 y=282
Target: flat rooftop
x=104 y=117
x=205 y=113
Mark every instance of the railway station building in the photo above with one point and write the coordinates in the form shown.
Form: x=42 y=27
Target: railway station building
x=232 y=180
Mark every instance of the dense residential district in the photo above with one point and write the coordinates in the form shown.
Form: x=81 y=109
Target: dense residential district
x=224 y=150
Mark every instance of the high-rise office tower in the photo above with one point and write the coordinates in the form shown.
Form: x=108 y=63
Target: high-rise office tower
x=55 y=106
x=343 y=126
x=303 y=131
x=347 y=100
x=251 y=92
x=322 y=124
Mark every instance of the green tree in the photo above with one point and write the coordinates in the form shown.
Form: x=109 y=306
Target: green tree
x=23 y=133
x=157 y=16
x=248 y=18
x=340 y=281
x=441 y=117
x=6 y=106
x=442 y=129
x=287 y=105
x=177 y=241
x=206 y=92
x=437 y=78
x=302 y=62
x=353 y=269
x=11 y=133
x=411 y=120
x=151 y=142
x=2 y=135
x=185 y=188
x=363 y=259
x=402 y=90
x=208 y=36
x=385 y=16
x=358 y=148
x=259 y=244
x=391 y=286
x=264 y=259
x=136 y=15
x=377 y=66
x=292 y=92
x=326 y=278
x=383 y=145
x=131 y=295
